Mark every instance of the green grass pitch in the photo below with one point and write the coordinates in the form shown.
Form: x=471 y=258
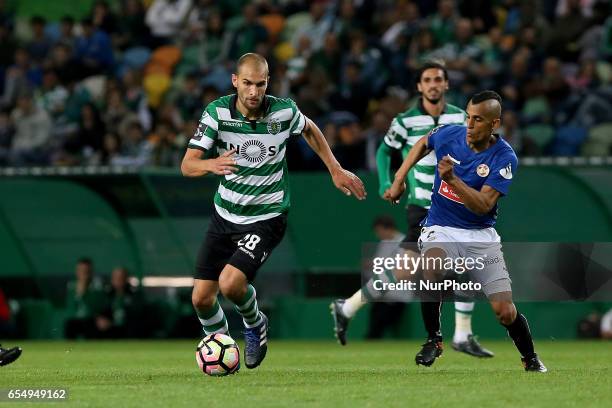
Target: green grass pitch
x=375 y=374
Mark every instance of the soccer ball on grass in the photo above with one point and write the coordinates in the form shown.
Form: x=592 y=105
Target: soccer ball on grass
x=217 y=355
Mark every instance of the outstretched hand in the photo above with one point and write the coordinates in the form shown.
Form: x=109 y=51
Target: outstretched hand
x=224 y=164
x=394 y=193
x=349 y=183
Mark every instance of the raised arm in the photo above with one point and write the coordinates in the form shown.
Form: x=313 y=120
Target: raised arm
x=417 y=152
x=344 y=180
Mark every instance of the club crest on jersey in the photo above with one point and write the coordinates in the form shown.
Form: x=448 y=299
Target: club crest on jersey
x=482 y=170
x=274 y=126
x=506 y=172
x=447 y=191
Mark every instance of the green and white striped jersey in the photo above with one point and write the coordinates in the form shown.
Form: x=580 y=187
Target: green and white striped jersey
x=259 y=190
x=406 y=129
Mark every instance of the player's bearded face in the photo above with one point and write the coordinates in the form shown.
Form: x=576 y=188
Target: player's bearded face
x=251 y=84
x=433 y=85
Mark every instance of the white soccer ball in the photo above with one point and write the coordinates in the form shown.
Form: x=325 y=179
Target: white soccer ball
x=217 y=355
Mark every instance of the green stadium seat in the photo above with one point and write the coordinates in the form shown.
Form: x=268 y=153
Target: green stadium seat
x=541 y=135
x=604 y=71
x=592 y=148
x=190 y=60
x=601 y=133
x=293 y=23
x=599 y=142
x=535 y=108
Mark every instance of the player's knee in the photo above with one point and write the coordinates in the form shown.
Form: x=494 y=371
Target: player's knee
x=505 y=314
x=232 y=286
x=432 y=275
x=433 y=269
x=202 y=301
x=402 y=274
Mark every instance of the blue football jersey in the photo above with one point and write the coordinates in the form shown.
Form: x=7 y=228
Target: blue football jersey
x=494 y=167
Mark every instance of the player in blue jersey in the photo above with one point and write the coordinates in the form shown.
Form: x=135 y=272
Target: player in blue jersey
x=475 y=169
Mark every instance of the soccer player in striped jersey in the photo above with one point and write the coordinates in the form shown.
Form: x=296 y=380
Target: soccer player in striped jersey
x=406 y=129
x=250 y=131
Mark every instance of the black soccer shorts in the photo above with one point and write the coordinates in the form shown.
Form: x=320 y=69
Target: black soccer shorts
x=415 y=215
x=244 y=246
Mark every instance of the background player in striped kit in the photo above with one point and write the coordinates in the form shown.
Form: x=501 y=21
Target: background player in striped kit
x=250 y=131
x=406 y=129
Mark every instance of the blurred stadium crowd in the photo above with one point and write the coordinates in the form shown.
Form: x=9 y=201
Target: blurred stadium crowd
x=126 y=85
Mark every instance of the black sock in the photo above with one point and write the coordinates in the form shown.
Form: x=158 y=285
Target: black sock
x=431 y=318
x=518 y=330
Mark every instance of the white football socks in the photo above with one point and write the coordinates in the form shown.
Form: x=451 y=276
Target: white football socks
x=463 y=321
x=353 y=304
